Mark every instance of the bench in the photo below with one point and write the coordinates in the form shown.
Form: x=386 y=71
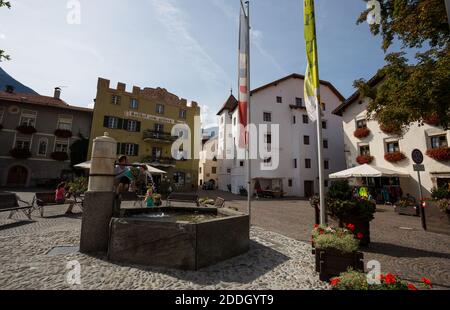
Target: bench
x=42 y=200
x=132 y=197
x=9 y=202
x=191 y=198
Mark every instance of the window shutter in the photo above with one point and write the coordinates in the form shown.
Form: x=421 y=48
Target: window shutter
x=119 y=123
x=138 y=126
x=106 y=121
x=136 y=150
x=123 y=148
x=118 y=148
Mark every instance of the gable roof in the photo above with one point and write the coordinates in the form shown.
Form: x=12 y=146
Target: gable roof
x=40 y=100
x=229 y=105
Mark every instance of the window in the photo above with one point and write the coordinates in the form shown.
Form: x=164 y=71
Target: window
x=42 y=147
x=295 y=163
x=439 y=141
x=214 y=170
x=325 y=144
x=324 y=125
x=61 y=146
x=200 y=170
x=228 y=170
x=279 y=99
x=267 y=161
x=326 y=164
x=115 y=100
x=326 y=183
x=290 y=182
x=364 y=150
x=134 y=104
x=28 y=118
x=362 y=123
x=131 y=149
x=299 y=102
x=183 y=114
x=305 y=119
x=392 y=147
x=160 y=109
x=267 y=117
x=294 y=120
x=156 y=152
x=179 y=178
x=132 y=126
x=308 y=163
x=268 y=138
x=159 y=127
x=113 y=122
x=64 y=122
x=23 y=144
x=241 y=164
x=306 y=140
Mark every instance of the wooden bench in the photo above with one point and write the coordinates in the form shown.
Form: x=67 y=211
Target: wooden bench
x=189 y=198
x=42 y=200
x=9 y=202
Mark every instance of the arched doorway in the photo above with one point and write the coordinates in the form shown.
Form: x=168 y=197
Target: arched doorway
x=17 y=176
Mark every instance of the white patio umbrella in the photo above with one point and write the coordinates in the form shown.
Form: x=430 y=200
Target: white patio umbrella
x=367 y=171
x=87 y=165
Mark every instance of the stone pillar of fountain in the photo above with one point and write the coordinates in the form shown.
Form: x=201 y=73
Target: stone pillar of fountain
x=99 y=200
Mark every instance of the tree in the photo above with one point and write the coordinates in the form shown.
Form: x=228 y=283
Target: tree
x=2 y=52
x=79 y=150
x=409 y=92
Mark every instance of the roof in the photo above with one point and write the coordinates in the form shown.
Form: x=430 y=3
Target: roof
x=229 y=105
x=6 y=79
x=372 y=83
x=40 y=100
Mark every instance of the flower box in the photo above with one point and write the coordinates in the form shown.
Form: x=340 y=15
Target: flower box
x=394 y=157
x=361 y=228
x=432 y=120
x=20 y=153
x=390 y=129
x=439 y=154
x=26 y=130
x=331 y=262
x=361 y=133
x=59 y=156
x=364 y=159
x=63 y=133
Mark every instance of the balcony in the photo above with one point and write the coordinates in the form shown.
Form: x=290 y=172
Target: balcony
x=160 y=161
x=158 y=136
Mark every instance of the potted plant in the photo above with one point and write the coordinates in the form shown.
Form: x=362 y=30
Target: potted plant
x=63 y=133
x=364 y=159
x=357 y=281
x=361 y=133
x=432 y=120
x=346 y=209
x=20 y=153
x=394 y=157
x=336 y=250
x=439 y=154
x=407 y=206
x=59 y=156
x=391 y=129
x=26 y=130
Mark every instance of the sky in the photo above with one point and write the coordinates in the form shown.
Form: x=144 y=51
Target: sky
x=188 y=47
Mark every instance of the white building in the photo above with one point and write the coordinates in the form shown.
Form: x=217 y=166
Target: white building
x=208 y=163
x=282 y=102
x=377 y=144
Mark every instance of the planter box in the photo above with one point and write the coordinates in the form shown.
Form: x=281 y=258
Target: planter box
x=361 y=226
x=331 y=263
x=437 y=221
x=408 y=210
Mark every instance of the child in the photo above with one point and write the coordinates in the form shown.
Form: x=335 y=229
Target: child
x=149 y=198
x=60 y=198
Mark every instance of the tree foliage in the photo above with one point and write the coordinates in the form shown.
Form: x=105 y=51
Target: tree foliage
x=79 y=150
x=411 y=92
x=3 y=56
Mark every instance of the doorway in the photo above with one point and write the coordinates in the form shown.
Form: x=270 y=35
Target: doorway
x=309 y=189
x=17 y=176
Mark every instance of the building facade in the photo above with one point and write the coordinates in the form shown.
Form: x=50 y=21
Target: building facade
x=36 y=135
x=393 y=151
x=142 y=122
x=208 y=164
x=282 y=103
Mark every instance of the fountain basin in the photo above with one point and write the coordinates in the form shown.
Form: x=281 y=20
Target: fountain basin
x=187 y=238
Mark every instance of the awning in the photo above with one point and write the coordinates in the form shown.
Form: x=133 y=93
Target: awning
x=151 y=169
x=367 y=171
x=86 y=165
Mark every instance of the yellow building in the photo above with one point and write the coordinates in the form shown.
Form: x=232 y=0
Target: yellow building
x=142 y=123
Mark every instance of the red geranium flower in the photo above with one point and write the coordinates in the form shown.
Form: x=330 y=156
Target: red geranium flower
x=427 y=282
x=315 y=226
x=359 y=235
x=335 y=281
x=390 y=279
x=351 y=227
x=411 y=287
x=321 y=232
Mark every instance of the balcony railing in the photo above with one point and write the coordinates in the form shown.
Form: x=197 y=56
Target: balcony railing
x=152 y=135
x=160 y=161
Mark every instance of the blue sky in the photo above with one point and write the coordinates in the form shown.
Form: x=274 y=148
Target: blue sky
x=186 y=46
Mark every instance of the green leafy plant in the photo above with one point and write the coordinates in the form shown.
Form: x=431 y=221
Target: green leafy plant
x=340 y=239
x=79 y=185
x=440 y=193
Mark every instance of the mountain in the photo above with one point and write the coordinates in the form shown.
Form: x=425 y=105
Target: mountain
x=6 y=79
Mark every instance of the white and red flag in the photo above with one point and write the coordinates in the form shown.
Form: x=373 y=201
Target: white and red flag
x=244 y=37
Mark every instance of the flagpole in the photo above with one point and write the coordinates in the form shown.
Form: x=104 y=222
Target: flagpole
x=249 y=172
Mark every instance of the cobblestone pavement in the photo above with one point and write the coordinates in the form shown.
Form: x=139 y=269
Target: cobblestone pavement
x=28 y=262
x=398 y=242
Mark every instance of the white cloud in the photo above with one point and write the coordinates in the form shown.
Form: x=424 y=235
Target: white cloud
x=257 y=41
x=2 y=36
x=207 y=116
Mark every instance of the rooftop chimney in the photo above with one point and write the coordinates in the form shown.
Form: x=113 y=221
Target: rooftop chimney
x=9 y=89
x=57 y=93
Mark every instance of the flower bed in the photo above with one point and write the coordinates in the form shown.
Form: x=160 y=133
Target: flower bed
x=361 y=133
x=394 y=157
x=26 y=130
x=364 y=159
x=59 y=156
x=439 y=154
x=355 y=280
x=63 y=133
x=20 y=153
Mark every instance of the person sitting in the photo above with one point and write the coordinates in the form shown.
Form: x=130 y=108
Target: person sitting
x=149 y=201
x=122 y=174
x=61 y=197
